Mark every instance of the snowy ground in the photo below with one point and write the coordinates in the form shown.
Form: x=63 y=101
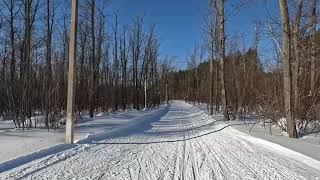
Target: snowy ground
x=177 y=142
x=308 y=145
x=17 y=142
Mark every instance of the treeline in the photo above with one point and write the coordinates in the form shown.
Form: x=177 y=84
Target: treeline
x=243 y=73
x=239 y=83
x=116 y=63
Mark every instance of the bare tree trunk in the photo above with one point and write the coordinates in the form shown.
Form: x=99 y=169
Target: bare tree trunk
x=313 y=47
x=12 y=38
x=92 y=63
x=211 y=78
x=213 y=37
x=296 y=42
x=213 y=50
x=116 y=65
x=30 y=10
x=216 y=92
x=101 y=34
x=287 y=86
x=65 y=46
x=236 y=76
x=136 y=43
x=124 y=61
x=12 y=86
x=48 y=64
x=222 y=59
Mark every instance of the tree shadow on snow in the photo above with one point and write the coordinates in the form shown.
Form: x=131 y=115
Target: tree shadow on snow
x=137 y=125
x=168 y=141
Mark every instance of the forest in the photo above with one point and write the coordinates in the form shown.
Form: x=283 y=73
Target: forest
x=119 y=66
x=114 y=61
x=238 y=83
x=170 y=89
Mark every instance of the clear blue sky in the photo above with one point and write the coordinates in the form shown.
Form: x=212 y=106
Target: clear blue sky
x=180 y=22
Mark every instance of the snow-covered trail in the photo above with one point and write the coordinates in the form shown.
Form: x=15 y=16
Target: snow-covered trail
x=184 y=144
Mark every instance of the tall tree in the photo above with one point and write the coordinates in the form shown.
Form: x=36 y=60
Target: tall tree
x=124 y=62
x=222 y=60
x=116 y=64
x=286 y=61
x=148 y=56
x=212 y=35
x=30 y=11
x=100 y=41
x=296 y=48
x=136 y=45
x=313 y=46
x=49 y=24
x=92 y=91
x=13 y=14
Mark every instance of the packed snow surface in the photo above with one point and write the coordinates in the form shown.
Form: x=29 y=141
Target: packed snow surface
x=176 y=142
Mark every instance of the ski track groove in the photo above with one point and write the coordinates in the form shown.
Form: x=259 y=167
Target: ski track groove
x=221 y=155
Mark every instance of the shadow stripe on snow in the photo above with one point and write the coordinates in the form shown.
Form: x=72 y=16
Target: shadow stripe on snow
x=138 y=124
x=8 y=165
x=22 y=160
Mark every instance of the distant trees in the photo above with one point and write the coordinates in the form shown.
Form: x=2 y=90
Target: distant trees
x=288 y=88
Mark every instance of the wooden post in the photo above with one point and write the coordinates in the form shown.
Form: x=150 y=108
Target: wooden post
x=72 y=73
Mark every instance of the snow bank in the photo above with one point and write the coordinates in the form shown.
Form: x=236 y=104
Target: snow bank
x=283 y=151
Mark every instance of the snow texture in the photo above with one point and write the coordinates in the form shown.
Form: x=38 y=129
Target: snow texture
x=176 y=142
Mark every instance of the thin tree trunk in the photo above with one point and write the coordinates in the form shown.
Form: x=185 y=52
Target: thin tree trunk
x=92 y=84
x=313 y=47
x=211 y=79
x=116 y=65
x=12 y=37
x=124 y=71
x=48 y=66
x=216 y=92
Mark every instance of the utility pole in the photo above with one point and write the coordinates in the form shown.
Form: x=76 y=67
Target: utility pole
x=72 y=73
